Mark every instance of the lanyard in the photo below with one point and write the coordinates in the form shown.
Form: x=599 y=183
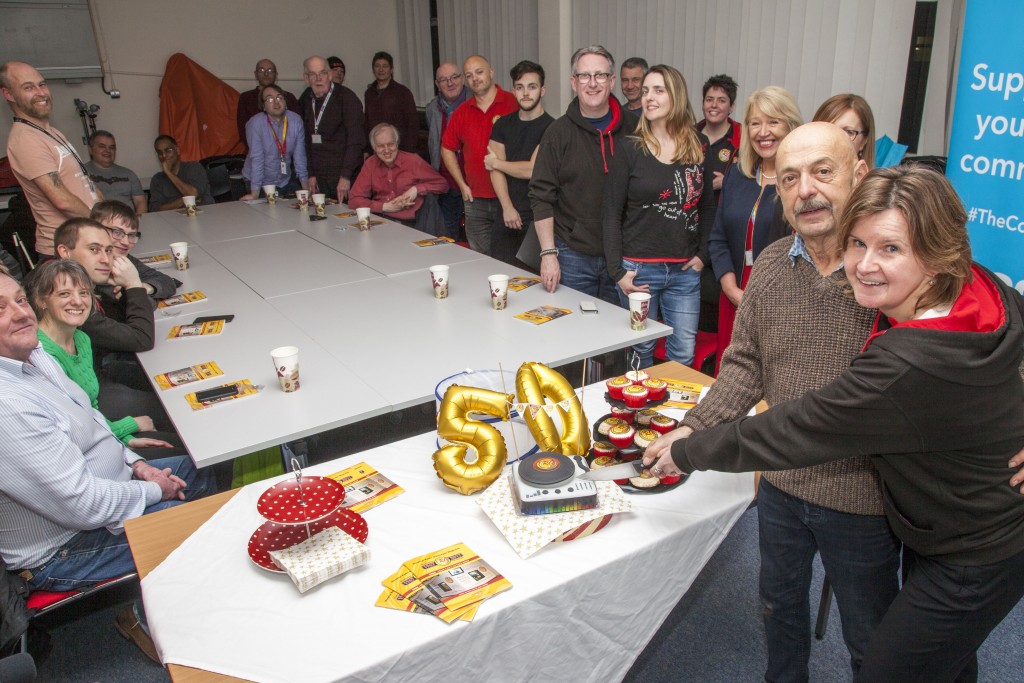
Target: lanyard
x=317 y=117
x=63 y=143
x=282 y=142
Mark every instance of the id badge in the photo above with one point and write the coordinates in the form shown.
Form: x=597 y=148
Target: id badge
x=284 y=168
x=748 y=257
x=317 y=139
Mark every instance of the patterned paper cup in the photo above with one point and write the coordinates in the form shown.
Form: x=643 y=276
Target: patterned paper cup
x=303 y=198
x=639 y=305
x=179 y=251
x=286 y=363
x=320 y=201
x=271 y=192
x=439 y=279
x=190 y=204
x=499 y=291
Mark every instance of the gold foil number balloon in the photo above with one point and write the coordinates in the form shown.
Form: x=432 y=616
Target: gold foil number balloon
x=465 y=471
x=534 y=384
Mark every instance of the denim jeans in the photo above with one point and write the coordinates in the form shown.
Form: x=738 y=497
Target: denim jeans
x=586 y=273
x=451 y=210
x=861 y=557
x=97 y=555
x=480 y=215
x=675 y=296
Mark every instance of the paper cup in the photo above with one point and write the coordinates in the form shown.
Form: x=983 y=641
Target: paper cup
x=286 y=363
x=190 y=205
x=439 y=278
x=303 y=197
x=271 y=192
x=319 y=201
x=499 y=291
x=639 y=305
x=363 y=214
x=179 y=251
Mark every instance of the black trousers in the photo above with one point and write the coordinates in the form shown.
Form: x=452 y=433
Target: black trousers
x=943 y=614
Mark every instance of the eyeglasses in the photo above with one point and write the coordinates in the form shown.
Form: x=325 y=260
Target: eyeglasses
x=165 y=150
x=264 y=70
x=450 y=79
x=119 y=234
x=853 y=133
x=599 y=78
x=319 y=75
x=273 y=98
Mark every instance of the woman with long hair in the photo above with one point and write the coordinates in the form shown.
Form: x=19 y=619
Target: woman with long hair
x=658 y=209
x=853 y=114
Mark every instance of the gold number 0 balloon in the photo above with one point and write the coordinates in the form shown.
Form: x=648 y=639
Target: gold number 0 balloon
x=534 y=383
x=466 y=474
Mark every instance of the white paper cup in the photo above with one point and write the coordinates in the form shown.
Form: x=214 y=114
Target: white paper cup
x=319 y=201
x=303 y=197
x=498 y=285
x=439 y=278
x=363 y=214
x=639 y=305
x=271 y=192
x=190 y=204
x=286 y=363
x=179 y=251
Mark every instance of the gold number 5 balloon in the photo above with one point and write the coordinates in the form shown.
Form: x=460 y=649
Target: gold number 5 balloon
x=534 y=383
x=459 y=469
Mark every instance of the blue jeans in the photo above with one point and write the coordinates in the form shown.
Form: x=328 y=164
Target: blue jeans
x=586 y=273
x=861 y=557
x=451 y=210
x=480 y=215
x=97 y=555
x=675 y=295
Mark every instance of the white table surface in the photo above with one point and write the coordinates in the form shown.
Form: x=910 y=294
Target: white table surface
x=596 y=600
x=287 y=263
x=331 y=395
x=222 y=222
x=157 y=235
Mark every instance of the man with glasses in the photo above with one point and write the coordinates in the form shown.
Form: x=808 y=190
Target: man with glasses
x=567 y=186
x=631 y=80
x=177 y=179
x=469 y=132
x=116 y=182
x=277 y=148
x=451 y=93
x=123 y=227
x=249 y=103
x=333 y=118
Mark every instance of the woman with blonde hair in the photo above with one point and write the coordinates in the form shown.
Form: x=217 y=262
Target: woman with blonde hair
x=657 y=213
x=749 y=218
x=853 y=114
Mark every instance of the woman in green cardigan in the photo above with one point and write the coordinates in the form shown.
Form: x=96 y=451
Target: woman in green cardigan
x=61 y=295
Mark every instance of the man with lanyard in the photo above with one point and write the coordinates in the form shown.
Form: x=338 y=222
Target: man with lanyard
x=277 y=147
x=333 y=119
x=250 y=102
x=469 y=132
x=49 y=170
x=451 y=93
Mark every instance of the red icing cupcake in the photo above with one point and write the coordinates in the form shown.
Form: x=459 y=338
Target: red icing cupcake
x=615 y=386
x=663 y=424
x=656 y=388
x=669 y=479
x=626 y=414
x=621 y=435
x=635 y=396
x=604 y=449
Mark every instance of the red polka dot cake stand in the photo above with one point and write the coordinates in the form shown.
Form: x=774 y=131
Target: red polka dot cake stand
x=297 y=509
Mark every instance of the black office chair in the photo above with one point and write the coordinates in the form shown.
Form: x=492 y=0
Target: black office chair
x=219 y=169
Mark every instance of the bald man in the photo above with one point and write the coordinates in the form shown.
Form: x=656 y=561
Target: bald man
x=469 y=132
x=452 y=92
x=334 y=131
x=249 y=101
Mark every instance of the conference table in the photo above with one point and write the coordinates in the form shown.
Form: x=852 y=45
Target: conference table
x=359 y=306
x=578 y=610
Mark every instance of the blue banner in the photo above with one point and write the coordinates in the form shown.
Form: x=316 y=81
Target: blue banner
x=986 y=148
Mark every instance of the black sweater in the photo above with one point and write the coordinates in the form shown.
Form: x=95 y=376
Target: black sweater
x=938 y=404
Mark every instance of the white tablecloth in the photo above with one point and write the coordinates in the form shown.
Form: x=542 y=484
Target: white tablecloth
x=581 y=610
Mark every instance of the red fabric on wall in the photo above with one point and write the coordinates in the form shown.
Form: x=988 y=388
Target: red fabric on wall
x=198 y=110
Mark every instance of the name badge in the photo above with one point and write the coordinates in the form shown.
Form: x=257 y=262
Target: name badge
x=748 y=257
x=317 y=139
x=284 y=168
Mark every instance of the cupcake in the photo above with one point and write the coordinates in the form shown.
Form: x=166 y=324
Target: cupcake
x=645 y=437
x=630 y=454
x=604 y=448
x=607 y=425
x=646 y=480
x=635 y=396
x=656 y=388
x=615 y=386
x=602 y=461
x=621 y=435
x=643 y=417
x=670 y=479
x=663 y=424
x=636 y=376
x=626 y=414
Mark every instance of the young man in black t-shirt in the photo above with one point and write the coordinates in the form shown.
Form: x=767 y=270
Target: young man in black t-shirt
x=513 y=149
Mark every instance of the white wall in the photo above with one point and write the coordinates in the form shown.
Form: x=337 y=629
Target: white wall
x=226 y=37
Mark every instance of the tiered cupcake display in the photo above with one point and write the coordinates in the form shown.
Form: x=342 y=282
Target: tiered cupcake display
x=631 y=426
x=298 y=509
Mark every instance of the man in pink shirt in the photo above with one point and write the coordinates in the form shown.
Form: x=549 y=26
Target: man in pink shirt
x=393 y=182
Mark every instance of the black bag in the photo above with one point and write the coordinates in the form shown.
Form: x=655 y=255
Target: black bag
x=13 y=611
